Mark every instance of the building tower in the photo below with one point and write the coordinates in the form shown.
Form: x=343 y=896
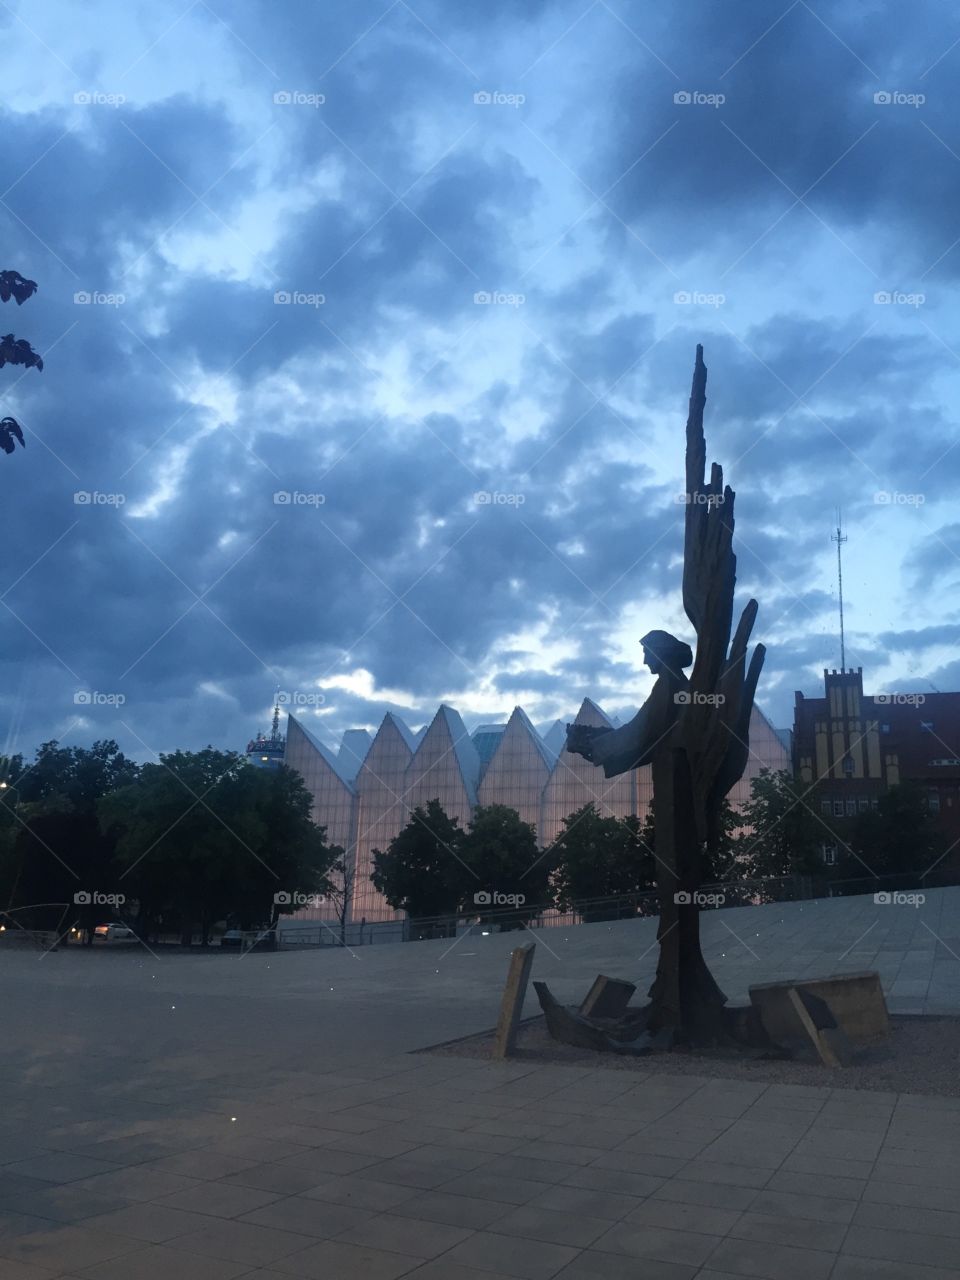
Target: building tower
x=267 y=753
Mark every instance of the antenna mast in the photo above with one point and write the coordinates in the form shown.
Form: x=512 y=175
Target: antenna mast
x=840 y=538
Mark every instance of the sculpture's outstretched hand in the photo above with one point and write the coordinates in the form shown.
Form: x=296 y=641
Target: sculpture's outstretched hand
x=580 y=739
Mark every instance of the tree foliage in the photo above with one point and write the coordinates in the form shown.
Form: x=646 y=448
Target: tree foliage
x=785 y=835
x=15 y=351
x=502 y=865
x=420 y=872
x=54 y=846
x=203 y=836
x=898 y=838
x=598 y=857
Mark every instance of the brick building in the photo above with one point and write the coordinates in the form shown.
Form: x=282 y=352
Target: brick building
x=853 y=746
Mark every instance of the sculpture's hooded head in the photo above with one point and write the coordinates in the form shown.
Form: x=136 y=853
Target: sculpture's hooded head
x=664 y=652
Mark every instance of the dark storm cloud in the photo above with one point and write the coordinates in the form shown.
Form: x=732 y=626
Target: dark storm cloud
x=799 y=117
x=400 y=570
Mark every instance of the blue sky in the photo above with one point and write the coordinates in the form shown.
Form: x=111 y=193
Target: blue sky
x=260 y=235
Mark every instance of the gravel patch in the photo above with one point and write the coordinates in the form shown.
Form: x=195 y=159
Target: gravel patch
x=921 y=1055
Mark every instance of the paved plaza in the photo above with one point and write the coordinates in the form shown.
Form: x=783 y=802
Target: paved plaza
x=222 y=1117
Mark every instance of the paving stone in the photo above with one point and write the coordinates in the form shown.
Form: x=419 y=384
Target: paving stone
x=137 y=1183
x=556 y=1228
x=679 y=1216
x=442 y=1269
x=321 y=1160
x=160 y=1262
x=335 y=1260
x=771 y=1261
x=609 y=1205
x=487 y=1186
x=275 y=1177
x=781 y=1229
x=792 y=1204
x=713 y=1194
x=591 y=1265
x=65 y=1203
x=901 y=1246
x=59 y=1167
x=219 y=1199
x=596 y=1179
x=60 y=1247
x=391 y=1231
x=241 y=1242
x=365 y=1193
x=202 y=1164
x=526 y=1259
x=848 y=1268
x=817 y=1185
x=310 y=1217
x=639 y=1240
x=455 y=1211
x=154 y=1223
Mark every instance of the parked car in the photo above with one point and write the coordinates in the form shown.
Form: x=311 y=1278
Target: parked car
x=263 y=939
x=114 y=931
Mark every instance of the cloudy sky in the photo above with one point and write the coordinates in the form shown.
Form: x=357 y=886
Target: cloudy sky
x=369 y=328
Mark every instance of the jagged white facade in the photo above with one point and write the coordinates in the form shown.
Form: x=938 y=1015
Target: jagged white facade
x=365 y=793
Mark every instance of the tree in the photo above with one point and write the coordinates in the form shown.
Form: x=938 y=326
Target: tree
x=15 y=351
x=204 y=835
x=898 y=838
x=597 y=857
x=504 y=866
x=421 y=871
x=59 y=850
x=342 y=875
x=785 y=835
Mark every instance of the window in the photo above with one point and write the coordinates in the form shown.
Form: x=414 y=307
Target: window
x=873 y=802
x=926 y=726
x=851 y=807
x=933 y=801
x=838 y=808
x=863 y=804
x=884 y=728
x=829 y=853
x=826 y=807
x=848 y=766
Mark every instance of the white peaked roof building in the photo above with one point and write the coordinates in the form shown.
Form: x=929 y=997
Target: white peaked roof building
x=365 y=793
